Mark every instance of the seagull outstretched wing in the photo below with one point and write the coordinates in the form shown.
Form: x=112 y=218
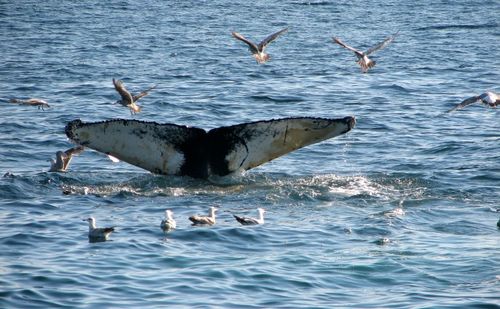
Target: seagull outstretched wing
x=120 y=88
x=253 y=48
x=466 y=102
x=357 y=52
x=142 y=94
x=271 y=38
x=382 y=44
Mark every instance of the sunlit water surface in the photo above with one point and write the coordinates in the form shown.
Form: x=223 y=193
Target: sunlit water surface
x=399 y=212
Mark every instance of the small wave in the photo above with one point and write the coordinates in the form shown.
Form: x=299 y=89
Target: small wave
x=315 y=3
x=395 y=87
x=447 y=147
x=454 y=26
x=277 y=99
x=462 y=227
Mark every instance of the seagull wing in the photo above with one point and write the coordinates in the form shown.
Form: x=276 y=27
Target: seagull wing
x=245 y=220
x=101 y=232
x=74 y=151
x=126 y=96
x=465 y=102
x=108 y=230
x=253 y=48
x=201 y=220
x=271 y=38
x=34 y=101
x=142 y=94
x=68 y=155
x=382 y=44
x=357 y=52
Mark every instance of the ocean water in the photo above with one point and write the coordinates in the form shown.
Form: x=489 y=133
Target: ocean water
x=400 y=212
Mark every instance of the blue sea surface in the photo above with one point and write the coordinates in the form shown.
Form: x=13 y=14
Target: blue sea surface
x=401 y=212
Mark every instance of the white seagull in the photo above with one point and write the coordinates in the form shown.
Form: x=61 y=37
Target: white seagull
x=364 y=62
x=63 y=158
x=252 y=221
x=33 y=102
x=127 y=99
x=210 y=219
x=98 y=234
x=488 y=98
x=258 y=50
x=168 y=223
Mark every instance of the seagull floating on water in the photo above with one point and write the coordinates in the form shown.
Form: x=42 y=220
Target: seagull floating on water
x=251 y=221
x=33 y=102
x=258 y=50
x=364 y=62
x=210 y=219
x=168 y=223
x=61 y=163
x=98 y=234
x=396 y=212
x=488 y=98
x=129 y=100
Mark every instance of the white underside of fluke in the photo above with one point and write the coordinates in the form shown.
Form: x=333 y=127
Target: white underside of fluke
x=179 y=150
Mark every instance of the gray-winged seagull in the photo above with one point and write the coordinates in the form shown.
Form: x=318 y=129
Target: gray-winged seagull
x=98 y=234
x=258 y=50
x=168 y=223
x=488 y=98
x=33 y=102
x=364 y=62
x=210 y=219
x=63 y=158
x=251 y=221
x=129 y=100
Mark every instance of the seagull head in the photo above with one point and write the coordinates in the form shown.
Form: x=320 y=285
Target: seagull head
x=169 y=213
x=89 y=219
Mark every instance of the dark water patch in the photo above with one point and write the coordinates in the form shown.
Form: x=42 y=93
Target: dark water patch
x=371 y=231
x=445 y=147
x=314 y=3
x=459 y=26
x=277 y=99
x=199 y=234
x=462 y=227
x=31 y=298
x=24 y=240
x=394 y=88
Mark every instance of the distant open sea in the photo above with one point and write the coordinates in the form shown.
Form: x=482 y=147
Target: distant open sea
x=401 y=212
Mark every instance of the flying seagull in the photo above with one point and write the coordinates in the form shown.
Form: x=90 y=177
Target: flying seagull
x=97 y=234
x=210 y=219
x=33 y=102
x=63 y=158
x=129 y=100
x=488 y=98
x=252 y=221
x=168 y=223
x=363 y=60
x=258 y=50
